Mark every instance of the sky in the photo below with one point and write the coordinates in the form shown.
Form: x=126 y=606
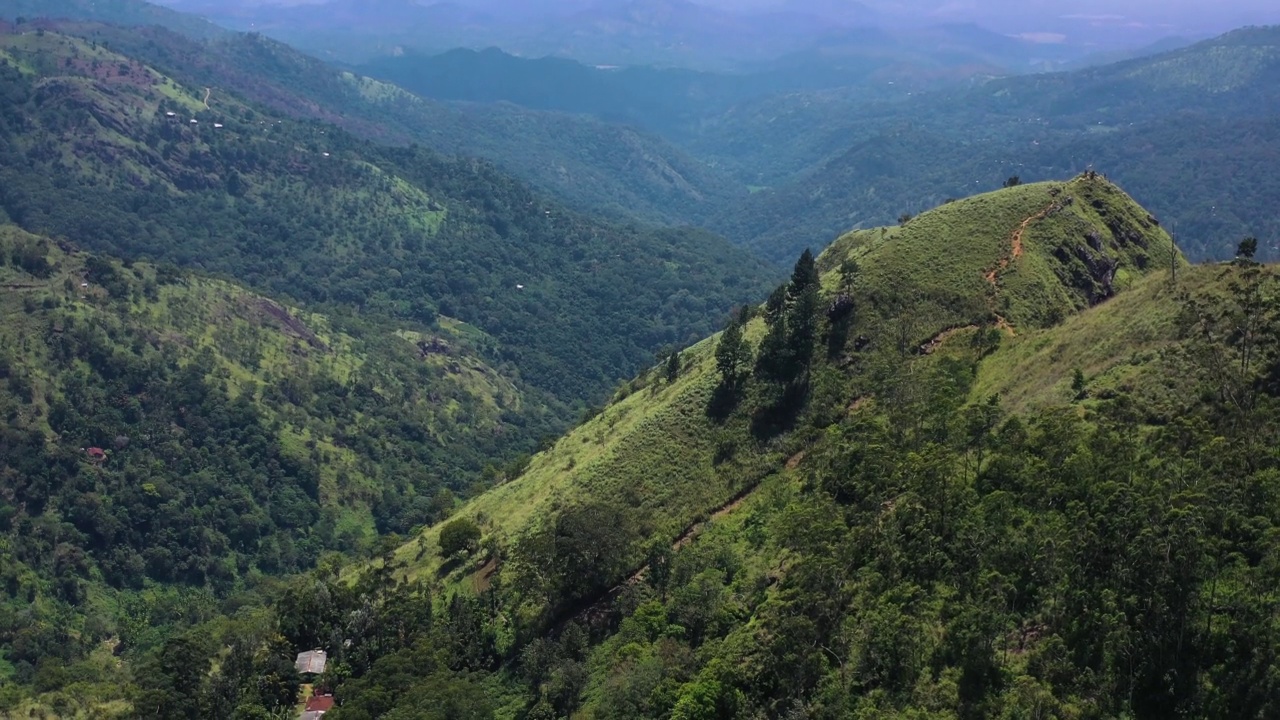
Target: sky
x=1019 y=16
x=1041 y=20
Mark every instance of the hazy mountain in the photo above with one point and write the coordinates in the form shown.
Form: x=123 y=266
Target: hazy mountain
x=591 y=164
x=120 y=12
x=623 y=32
x=1168 y=126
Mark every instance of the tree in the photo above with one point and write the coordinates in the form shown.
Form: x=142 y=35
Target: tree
x=776 y=304
x=804 y=275
x=458 y=536
x=1013 y=181
x=673 y=366
x=733 y=355
x=802 y=326
x=848 y=274
x=1247 y=248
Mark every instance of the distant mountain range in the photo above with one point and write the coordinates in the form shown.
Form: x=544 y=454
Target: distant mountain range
x=668 y=33
x=1177 y=129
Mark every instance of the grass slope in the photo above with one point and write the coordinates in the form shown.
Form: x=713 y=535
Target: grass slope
x=1031 y=254
x=656 y=450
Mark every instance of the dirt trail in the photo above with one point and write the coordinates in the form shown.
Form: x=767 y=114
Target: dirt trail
x=207 y=93
x=1016 y=242
x=692 y=533
x=932 y=346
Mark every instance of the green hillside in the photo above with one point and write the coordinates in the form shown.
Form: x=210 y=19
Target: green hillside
x=952 y=267
x=930 y=490
x=305 y=210
x=119 y=12
x=172 y=439
x=591 y=165
x=1011 y=458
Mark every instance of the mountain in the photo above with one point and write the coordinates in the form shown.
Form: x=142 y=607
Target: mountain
x=900 y=487
x=592 y=165
x=305 y=210
x=236 y=343
x=1021 y=259
x=944 y=447
x=662 y=33
x=676 y=102
x=1166 y=126
x=117 y=12
x=1161 y=46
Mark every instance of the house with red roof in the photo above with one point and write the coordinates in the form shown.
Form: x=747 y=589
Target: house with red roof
x=316 y=707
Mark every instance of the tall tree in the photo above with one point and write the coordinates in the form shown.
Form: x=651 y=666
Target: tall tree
x=733 y=355
x=804 y=275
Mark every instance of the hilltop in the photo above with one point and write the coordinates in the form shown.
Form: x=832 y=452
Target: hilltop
x=1167 y=127
x=1021 y=259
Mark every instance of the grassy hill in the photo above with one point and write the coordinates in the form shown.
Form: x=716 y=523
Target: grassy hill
x=1011 y=457
x=1078 y=244
x=914 y=521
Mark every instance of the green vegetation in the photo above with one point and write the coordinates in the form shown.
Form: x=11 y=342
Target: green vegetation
x=588 y=163
x=900 y=541
x=173 y=443
x=1012 y=457
x=119 y=12
x=164 y=431
x=306 y=211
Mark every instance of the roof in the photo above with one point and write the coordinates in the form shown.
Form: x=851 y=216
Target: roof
x=311 y=715
x=319 y=703
x=96 y=453
x=311 y=662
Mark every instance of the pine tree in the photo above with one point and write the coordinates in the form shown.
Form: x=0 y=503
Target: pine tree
x=733 y=355
x=804 y=275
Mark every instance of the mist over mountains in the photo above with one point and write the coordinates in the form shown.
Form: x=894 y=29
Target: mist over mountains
x=711 y=34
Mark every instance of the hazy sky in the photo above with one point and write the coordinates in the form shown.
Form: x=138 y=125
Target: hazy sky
x=1026 y=15
x=1144 y=18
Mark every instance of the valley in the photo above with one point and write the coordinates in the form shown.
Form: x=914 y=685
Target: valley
x=876 y=370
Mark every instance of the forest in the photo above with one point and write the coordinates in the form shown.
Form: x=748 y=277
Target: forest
x=306 y=211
